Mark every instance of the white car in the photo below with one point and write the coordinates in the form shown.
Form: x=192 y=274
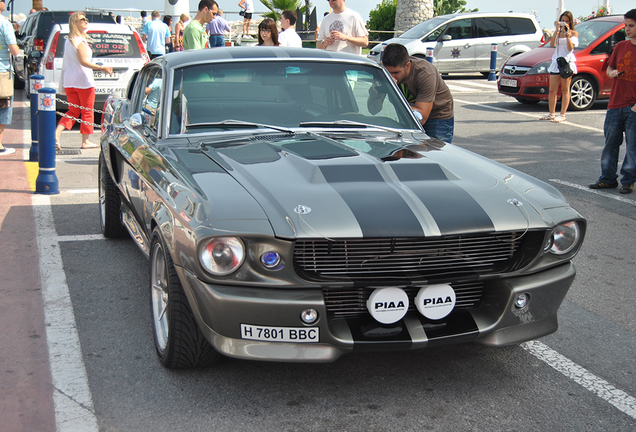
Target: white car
x=462 y=42
x=115 y=45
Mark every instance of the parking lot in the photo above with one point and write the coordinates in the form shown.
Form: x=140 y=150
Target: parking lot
x=105 y=374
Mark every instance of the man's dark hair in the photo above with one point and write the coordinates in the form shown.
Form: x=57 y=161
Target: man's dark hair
x=207 y=3
x=143 y=14
x=631 y=14
x=291 y=16
x=395 y=55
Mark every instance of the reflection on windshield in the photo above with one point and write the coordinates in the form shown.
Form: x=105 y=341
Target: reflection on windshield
x=422 y=29
x=282 y=94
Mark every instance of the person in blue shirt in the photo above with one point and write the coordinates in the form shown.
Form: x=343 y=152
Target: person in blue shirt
x=8 y=47
x=217 y=28
x=156 y=34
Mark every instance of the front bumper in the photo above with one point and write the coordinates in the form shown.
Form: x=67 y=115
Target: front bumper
x=528 y=86
x=496 y=321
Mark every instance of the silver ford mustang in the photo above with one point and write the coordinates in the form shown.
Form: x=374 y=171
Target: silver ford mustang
x=284 y=221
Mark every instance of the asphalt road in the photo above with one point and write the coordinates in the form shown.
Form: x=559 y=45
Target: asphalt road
x=582 y=378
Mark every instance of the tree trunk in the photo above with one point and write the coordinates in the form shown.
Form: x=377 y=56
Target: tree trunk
x=412 y=12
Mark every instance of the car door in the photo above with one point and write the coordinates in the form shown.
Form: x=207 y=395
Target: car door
x=140 y=140
x=491 y=30
x=455 y=49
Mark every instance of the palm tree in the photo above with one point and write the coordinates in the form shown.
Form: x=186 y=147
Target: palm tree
x=276 y=7
x=412 y=12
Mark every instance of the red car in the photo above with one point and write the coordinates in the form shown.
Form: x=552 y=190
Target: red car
x=525 y=76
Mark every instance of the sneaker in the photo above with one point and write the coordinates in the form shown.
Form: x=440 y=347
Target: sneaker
x=626 y=188
x=601 y=185
x=7 y=151
x=247 y=37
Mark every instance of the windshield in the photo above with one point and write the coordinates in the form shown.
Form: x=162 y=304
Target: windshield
x=282 y=94
x=590 y=31
x=422 y=29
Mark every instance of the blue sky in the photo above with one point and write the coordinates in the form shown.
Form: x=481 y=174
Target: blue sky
x=546 y=9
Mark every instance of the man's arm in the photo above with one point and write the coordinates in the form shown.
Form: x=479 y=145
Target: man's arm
x=423 y=108
x=376 y=98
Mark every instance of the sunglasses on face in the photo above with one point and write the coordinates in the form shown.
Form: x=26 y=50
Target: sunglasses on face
x=83 y=19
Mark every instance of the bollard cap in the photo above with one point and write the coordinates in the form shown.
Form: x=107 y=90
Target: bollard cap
x=36 y=77
x=47 y=90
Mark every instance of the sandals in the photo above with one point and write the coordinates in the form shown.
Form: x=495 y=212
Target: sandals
x=559 y=119
x=548 y=117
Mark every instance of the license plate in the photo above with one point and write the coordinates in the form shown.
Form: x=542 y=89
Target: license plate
x=280 y=334
x=508 y=82
x=99 y=75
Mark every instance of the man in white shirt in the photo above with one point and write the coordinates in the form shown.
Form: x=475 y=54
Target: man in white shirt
x=342 y=30
x=288 y=37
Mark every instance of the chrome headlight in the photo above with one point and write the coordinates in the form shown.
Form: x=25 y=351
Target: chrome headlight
x=222 y=255
x=541 y=68
x=563 y=238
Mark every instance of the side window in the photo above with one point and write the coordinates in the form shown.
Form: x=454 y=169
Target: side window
x=520 y=26
x=150 y=109
x=489 y=27
x=435 y=34
x=460 y=29
x=608 y=44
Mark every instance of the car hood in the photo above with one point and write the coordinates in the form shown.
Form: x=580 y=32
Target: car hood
x=350 y=185
x=531 y=57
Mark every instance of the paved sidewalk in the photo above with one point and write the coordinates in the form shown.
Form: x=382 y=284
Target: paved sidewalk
x=26 y=402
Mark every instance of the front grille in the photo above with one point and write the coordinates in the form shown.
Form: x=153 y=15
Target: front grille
x=508 y=89
x=515 y=70
x=349 y=303
x=415 y=259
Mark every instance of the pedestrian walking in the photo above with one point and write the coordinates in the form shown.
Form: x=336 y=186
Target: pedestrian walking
x=78 y=81
x=620 y=118
x=178 y=31
x=156 y=35
x=8 y=47
x=248 y=10
x=216 y=30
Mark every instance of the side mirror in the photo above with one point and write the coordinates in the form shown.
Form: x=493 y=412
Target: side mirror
x=418 y=115
x=36 y=54
x=447 y=38
x=135 y=120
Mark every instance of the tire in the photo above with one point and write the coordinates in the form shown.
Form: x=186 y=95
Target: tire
x=109 y=204
x=528 y=101
x=583 y=93
x=178 y=340
x=27 y=86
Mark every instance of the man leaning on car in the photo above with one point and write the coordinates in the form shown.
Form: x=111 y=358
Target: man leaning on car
x=424 y=89
x=621 y=113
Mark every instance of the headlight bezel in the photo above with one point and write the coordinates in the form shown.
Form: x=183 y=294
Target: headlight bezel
x=564 y=238
x=540 y=68
x=212 y=264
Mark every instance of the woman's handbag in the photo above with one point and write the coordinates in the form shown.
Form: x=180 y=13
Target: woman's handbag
x=242 y=13
x=564 y=68
x=6 y=85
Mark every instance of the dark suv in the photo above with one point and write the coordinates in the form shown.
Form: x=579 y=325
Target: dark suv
x=35 y=33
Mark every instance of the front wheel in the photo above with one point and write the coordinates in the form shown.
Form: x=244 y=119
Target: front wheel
x=582 y=93
x=178 y=340
x=109 y=203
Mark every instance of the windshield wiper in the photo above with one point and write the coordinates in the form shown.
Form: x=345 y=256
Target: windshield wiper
x=238 y=124
x=349 y=123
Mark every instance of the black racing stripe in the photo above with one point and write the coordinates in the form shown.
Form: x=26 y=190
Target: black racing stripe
x=453 y=209
x=378 y=208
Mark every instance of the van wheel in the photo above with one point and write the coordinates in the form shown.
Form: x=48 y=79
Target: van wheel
x=582 y=93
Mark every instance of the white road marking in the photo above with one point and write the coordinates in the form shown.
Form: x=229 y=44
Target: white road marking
x=71 y=394
x=86 y=237
x=532 y=115
x=595 y=191
x=598 y=386
x=82 y=191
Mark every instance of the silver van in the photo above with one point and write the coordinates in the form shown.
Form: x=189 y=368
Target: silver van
x=462 y=42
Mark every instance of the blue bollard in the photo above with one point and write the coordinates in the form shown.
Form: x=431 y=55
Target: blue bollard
x=492 y=76
x=429 y=55
x=46 y=182
x=36 y=84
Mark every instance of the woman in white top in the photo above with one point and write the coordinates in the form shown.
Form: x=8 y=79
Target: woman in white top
x=565 y=38
x=77 y=79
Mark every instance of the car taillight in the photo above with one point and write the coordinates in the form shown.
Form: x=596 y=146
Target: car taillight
x=50 y=59
x=38 y=44
x=142 y=49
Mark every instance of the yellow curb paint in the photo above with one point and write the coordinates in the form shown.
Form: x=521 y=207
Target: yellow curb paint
x=32 y=169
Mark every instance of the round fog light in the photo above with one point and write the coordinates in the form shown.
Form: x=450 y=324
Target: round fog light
x=309 y=316
x=270 y=260
x=522 y=300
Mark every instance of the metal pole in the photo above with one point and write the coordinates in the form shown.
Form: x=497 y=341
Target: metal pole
x=36 y=84
x=492 y=76
x=46 y=182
